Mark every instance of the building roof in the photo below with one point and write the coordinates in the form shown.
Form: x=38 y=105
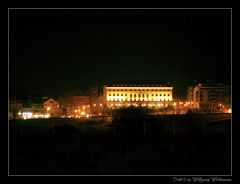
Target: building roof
x=139 y=83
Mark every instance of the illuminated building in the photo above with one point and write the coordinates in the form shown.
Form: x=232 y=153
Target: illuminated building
x=52 y=106
x=29 y=107
x=76 y=106
x=14 y=107
x=151 y=95
x=209 y=97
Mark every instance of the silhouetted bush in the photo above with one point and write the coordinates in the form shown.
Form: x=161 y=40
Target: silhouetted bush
x=130 y=119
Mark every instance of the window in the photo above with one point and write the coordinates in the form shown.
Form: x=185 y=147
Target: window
x=113 y=94
x=156 y=95
x=121 y=94
x=117 y=94
x=109 y=94
x=164 y=94
x=168 y=94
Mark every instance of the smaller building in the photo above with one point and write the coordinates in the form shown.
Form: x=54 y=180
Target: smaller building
x=15 y=106
x=28 y=107
x=51 y=106
x=75 y=106
x=210 y=97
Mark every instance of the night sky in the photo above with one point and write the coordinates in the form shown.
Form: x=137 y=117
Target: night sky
x=54 y=51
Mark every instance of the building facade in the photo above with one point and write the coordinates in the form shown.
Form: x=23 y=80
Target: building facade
x=210 y=97
x=153 y=95
x=52 y=107
x=15 y=106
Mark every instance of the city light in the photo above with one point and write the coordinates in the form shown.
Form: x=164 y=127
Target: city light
x=83 y=113
x=230 y=110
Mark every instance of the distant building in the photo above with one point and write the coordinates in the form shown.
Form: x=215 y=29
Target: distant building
x=32 y=107
x=136 y=94
x=52 y=107
x=75 y=106
x=15 y=106
x=210 y=97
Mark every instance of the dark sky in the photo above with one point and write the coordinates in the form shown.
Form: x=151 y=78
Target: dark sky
x=53 y=51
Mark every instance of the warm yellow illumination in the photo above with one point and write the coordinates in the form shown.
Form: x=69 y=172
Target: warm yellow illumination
x=94 y=105
x=83 y=113
x=100 y=104
x=75 y=111
x=83 y=107
x=19 y=113
x=174 y=104
x=230 y=110
x=87 y=116
x=137 y=93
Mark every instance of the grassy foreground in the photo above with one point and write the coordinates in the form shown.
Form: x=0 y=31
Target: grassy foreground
x=70 y=147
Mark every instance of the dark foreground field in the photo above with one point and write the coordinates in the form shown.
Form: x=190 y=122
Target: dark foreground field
x=77 y=148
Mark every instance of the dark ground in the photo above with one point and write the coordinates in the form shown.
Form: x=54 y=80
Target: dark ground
x=36 y=148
